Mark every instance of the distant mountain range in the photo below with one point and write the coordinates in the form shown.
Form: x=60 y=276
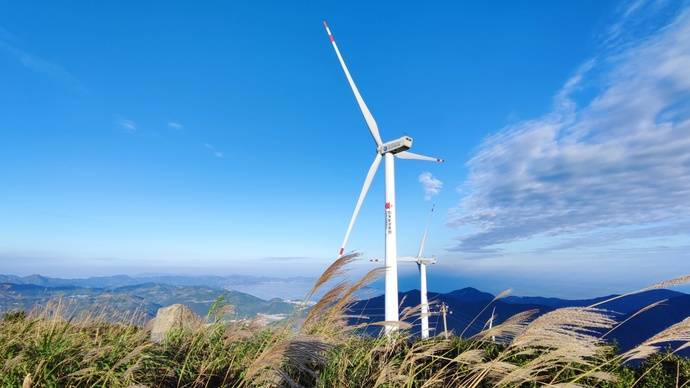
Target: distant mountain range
x=260 y=286
x=140 y=298
x=466 y=303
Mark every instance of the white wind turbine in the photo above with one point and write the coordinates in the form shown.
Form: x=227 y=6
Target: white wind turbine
x=388 y=151
x=422 y=262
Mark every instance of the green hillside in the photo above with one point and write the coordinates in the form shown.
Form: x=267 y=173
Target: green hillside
x=143 y=299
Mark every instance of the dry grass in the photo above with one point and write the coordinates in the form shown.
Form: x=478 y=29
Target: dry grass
x=563 y=348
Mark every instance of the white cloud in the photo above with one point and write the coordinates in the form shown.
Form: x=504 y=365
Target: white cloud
x=635 y=18
x=128 y=125
x=214 y=151
x=37 y=64
x=175 y=125
x=619 y=159
x=431 y=185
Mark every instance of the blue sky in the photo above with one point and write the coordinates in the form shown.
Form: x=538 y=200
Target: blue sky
x=223 y=138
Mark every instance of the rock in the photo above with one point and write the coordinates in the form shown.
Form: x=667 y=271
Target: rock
x=175 y=316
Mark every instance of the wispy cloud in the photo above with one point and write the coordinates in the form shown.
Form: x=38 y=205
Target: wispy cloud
x=214 y=151
x=175 y=125
x=432 y=186
x=634 y=21
x=128 y=126
x=607 y=237
x=613 y=153
x=36 y=63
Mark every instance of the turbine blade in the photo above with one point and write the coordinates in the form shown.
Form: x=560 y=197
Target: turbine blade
x=412 y=155
x=365 y=188
x=426 y=231
x=368 y=117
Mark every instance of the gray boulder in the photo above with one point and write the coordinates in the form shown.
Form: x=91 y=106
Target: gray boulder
x=175 y=316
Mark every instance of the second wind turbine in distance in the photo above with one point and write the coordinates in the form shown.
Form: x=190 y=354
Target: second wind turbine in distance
x=422 y=262
x=388 y=151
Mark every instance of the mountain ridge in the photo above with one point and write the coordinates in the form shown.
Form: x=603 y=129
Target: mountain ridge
x=145 y=298
x=466 y=305
x=264 y=287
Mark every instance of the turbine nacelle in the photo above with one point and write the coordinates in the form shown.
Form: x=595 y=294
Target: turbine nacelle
x=410 y=259
x=396 y=146
x=418 y=260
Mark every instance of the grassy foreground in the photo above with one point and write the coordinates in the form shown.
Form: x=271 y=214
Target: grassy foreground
x=559 y=349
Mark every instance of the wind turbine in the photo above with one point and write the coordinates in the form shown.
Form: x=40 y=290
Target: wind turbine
x=388 y=151
x=422 y=262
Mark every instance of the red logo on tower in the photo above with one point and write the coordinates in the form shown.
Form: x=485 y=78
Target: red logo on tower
x=389 y=227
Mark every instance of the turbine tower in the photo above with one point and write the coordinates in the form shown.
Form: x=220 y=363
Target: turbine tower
x=422 y=262
x=388 y=151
